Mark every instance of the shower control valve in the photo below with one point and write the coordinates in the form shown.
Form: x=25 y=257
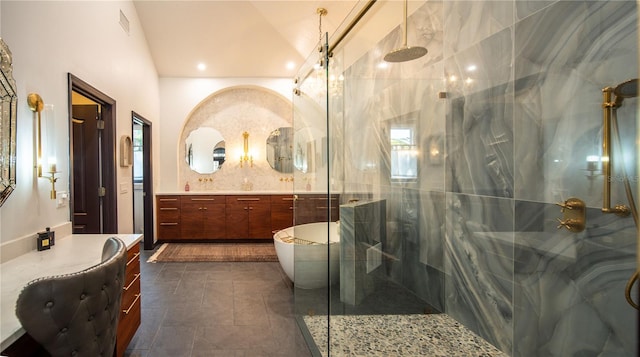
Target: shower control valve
x=572 y=203
x=573 y=215
x=572 y=225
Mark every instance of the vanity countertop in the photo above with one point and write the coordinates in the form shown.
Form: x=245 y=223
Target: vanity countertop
x=240 y=192
x=70 y=254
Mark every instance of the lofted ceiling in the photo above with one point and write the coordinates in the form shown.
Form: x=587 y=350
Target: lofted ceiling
x=236 y=38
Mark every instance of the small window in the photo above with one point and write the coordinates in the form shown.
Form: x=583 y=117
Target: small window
x=404 y=153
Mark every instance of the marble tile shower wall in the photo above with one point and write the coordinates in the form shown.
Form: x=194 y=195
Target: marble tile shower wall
x=476 y=234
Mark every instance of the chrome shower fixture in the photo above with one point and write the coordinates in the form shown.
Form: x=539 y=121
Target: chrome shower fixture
x=405 y=53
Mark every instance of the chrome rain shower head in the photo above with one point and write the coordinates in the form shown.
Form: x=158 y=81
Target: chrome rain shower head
x=628 y=89
x=405 y=53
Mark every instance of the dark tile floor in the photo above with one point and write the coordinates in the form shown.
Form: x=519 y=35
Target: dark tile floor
x=216 y=309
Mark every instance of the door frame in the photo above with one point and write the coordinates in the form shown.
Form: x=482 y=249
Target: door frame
x=147 y=179
x=109 y=169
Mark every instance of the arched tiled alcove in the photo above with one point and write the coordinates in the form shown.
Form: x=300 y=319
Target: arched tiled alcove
x=232 y=111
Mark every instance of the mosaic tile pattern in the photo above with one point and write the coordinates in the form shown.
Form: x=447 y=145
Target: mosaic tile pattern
x=397 y=335
x=232 y=112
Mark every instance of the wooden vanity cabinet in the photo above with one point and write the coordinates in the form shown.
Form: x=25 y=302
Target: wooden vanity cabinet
x=218 y=217
x=130 y=311
x=202 y=217
x=168 y=216
x=281 y=212
x=312 y=208
x=248 y=217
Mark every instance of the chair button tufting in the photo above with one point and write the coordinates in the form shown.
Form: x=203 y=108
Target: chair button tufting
x=63 y=330
x=104 y=286
x=90 y=317
x=74 y=353
x=83 y=296
x=49 y=304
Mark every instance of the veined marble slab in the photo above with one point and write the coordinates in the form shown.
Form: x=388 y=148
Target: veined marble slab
x=70 y=254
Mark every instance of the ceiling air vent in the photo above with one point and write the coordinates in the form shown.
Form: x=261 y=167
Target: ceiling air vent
x=124 y=22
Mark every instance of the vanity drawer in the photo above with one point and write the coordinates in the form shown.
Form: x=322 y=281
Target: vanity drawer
x=132 y=273
x=130 y=319
x=168 y=216
x=168 y=201
x=130 y=312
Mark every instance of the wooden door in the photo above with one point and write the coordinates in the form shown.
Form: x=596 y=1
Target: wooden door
x=96 y=159
x=86 y=169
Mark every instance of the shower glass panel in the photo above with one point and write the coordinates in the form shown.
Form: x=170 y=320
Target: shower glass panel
x=313 y=214
x=450 y=233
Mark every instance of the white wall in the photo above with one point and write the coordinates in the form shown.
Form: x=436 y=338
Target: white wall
x=48 y=40
x=178 y=97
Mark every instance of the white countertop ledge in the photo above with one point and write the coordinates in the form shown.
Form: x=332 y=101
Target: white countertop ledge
x=70 y=254
x=222 y=193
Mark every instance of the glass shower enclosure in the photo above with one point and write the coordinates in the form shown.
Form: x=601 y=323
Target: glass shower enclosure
x=432 y=195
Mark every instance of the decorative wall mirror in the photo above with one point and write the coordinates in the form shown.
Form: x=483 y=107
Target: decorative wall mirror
x=8 y=112
x=205 y=150
x=280 y=150
x=309 y=149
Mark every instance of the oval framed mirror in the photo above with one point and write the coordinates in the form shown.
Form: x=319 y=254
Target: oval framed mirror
x=280 y=150
x=8 y=112
x=205 y=150
x=309 y=149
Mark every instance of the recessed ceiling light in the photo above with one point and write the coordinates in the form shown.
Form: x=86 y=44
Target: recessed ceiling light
x=291 y=65
x=202 y=66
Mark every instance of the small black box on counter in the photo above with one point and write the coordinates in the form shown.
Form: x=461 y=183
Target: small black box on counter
x=43 y=241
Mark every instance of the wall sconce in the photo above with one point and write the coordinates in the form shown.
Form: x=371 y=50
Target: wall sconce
x=36 y=104
x=246 y=157
x=592 y=169
x=435 y=150
x=592 y=166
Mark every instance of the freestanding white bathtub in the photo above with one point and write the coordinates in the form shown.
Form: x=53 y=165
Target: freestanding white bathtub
x=307 y=251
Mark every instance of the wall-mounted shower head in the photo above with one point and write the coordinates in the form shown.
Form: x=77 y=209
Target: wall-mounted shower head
x=628 y=89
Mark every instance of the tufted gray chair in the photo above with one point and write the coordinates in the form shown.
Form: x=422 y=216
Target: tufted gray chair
x=77 y=314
